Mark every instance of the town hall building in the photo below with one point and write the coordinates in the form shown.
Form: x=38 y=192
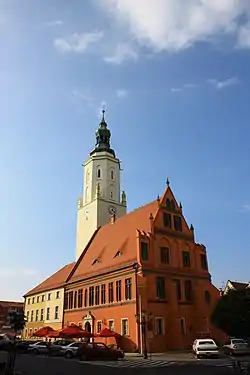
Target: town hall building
x=140 y=274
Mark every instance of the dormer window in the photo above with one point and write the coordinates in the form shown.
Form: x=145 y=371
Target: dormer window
x=118 y=254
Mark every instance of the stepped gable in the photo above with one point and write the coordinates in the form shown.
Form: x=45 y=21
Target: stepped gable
x=57 y=280
x=114 y=244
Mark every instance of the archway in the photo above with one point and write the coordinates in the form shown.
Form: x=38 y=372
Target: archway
x=87 y=327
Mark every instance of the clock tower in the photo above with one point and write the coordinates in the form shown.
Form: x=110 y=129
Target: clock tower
x=101 y=197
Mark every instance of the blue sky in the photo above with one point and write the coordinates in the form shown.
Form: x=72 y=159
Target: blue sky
x=175 y=79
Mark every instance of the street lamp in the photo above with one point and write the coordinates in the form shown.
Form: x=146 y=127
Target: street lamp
x=144 y=319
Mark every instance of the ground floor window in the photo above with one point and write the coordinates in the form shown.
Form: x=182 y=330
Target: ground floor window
x=99 y=326
x=125 y=330
x=111 y=325
x=159 y=326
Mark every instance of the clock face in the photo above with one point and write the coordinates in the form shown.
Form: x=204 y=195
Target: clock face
x=112 y=210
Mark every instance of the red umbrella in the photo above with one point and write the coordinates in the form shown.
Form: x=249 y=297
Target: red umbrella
x=74 y=331
x=43 y=332
x=105 y=332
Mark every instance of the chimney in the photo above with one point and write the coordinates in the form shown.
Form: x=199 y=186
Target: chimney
x=112 y=219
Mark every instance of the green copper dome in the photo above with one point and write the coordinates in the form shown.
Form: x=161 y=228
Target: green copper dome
x=103 y=136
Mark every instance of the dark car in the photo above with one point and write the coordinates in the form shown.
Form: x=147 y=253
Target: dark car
x=22 y=346
x=98 y=350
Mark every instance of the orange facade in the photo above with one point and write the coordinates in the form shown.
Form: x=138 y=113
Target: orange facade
x=144 y=276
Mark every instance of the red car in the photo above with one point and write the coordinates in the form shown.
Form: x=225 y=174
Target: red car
x=98 y=350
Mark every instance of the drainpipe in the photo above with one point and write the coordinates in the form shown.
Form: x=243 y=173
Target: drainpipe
x=136 y=267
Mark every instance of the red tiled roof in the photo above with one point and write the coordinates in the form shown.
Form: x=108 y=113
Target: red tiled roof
x=119 y=236
x=55 y=281
x=11 y=304
x=238 y=286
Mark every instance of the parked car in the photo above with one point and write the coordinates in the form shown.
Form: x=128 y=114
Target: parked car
x=39 y=347
x=70 y=351
x=205 y=348
x=96 y=350
x=236 y=346
x=57 y=346
x=22 y=346
x=113 y=346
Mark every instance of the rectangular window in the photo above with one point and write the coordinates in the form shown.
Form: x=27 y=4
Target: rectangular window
x=36 y=315
x=183 y=326
x=71 y=300
x=188 y=290
x=85 y=297
x=204 y=262
x=41 y=316
x=144 y=251
x=178 y=289
x=159 y=326
x=33 y=299
x=37 y=299
x=32 y=316
x=128 y=288
x=125 y=327
x=49 y=296
x=99 y=326
x=97 y=295
x=43 y=298
x=28 y=301
x=186 y=259
x=91 y=295
x=27 y=315
x=80 y=298
x=56 y=312
x=75 y=299
x=164 y=251
x=167 y=220
x=103 y=294
x=160 y=287
x=111 y=325
x=111 y=292
x=57 y=294
x=118 y=287
x=177 y=223
x=47 y=313
x=66 y=300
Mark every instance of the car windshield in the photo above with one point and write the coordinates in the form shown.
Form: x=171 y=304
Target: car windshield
x=207 y=342
x=238 y=341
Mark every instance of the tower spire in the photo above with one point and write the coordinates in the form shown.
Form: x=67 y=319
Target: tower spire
x=103 y=136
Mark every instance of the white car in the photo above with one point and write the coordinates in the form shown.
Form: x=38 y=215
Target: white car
x=70 y=350
x=205 y=348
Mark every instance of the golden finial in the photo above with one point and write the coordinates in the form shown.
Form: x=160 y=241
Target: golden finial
x=79 y=203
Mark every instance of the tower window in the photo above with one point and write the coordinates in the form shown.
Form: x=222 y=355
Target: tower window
x=112 y=175
x=111 y=195
x=98 y=173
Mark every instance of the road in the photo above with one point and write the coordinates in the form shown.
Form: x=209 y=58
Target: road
x=40 y=365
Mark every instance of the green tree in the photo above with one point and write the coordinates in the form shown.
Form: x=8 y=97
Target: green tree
x=17 y=321
x=232 y=313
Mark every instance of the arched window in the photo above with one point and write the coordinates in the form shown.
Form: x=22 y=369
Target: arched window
x=112 y=174
x=98 y=172
x=172 y=205
x=207 y=297
x=168 y=203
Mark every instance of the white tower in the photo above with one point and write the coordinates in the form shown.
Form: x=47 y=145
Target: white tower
x=101 y=193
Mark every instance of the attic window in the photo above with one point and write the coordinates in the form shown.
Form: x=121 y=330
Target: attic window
x=177 y=223
x=95 y=261
x=172 y=205
x=118 y=254
x=168 y=203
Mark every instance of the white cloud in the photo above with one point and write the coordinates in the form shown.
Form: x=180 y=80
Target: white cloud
x=77 y=43
x=175 y=25
x=123 y=51
x=176 y=89
x=245 y=208
x=121 y=93
x=186 y=86
x=244 y=36
x=232 y=81
x=53 y=23
x=80 y=98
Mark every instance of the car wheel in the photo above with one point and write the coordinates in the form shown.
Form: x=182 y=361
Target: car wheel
x=198 y=356
x=68 y=355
